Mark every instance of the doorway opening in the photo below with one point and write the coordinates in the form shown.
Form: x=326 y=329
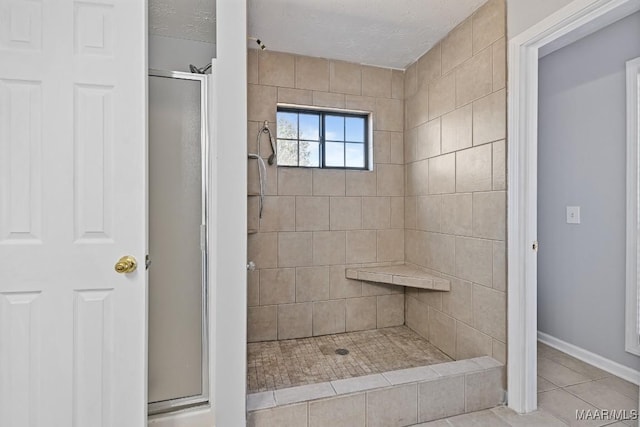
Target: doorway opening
x=568 y=25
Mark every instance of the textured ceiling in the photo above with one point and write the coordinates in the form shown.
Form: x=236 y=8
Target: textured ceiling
x=387 y=33
x=183 y=19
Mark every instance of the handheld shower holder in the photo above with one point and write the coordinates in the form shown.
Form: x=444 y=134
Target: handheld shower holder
x=265 y=129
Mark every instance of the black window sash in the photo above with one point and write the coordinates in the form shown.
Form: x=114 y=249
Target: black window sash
x=322 y=151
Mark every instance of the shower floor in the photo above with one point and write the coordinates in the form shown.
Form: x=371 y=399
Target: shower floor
x=274 y=365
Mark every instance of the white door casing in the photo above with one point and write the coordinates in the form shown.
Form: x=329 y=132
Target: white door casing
x=72 y=202
x=632 y=319
x=574 y=21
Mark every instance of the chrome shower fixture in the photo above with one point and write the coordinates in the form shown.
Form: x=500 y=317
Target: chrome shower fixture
x=259 y=42
x=197 y=70
x=265 y=129
x=262 y=174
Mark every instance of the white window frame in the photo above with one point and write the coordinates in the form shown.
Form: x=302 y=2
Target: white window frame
x=632 y=326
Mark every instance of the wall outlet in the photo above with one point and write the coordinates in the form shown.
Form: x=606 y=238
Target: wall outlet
x=573 y=214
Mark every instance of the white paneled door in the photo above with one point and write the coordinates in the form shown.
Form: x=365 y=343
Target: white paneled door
x=72 y=202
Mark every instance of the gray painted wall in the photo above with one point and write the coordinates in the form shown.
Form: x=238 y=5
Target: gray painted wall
x=582 y=143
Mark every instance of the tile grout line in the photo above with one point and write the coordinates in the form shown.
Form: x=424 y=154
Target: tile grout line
x=578 y=397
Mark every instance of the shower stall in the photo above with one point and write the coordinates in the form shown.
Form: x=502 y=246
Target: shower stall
x=178 y=356
x=376 y=288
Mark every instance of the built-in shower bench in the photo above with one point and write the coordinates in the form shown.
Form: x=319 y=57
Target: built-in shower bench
x=401 y=275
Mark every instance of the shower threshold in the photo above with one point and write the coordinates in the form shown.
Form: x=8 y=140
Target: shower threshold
x=402 y=397
x=381 y=377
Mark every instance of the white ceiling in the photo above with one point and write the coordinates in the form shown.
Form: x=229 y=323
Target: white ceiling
x=183 y=19
x=387 y=33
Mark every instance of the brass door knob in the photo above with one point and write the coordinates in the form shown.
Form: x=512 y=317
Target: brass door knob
x=126 y=264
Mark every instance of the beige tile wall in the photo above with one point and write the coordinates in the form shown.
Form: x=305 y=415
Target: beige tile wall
x=436 y=196
x=455 y=205
x=316 y=222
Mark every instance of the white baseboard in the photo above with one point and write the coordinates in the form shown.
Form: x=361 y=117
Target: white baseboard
x=586 y=356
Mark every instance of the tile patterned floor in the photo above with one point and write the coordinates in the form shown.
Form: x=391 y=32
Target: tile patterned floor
x=565 y=384
x=280 y=364
x=497 y=417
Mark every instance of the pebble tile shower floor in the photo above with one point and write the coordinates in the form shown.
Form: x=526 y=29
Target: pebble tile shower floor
x=274 y=365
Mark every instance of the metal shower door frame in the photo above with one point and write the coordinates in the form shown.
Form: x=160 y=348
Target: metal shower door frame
x=203 y=398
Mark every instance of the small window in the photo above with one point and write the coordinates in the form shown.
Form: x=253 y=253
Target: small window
x=322 y=139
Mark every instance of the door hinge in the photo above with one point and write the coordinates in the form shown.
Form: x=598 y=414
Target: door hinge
x=535 y=246
x=203 y=237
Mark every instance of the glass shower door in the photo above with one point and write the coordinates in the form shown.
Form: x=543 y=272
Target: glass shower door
x=178 y=374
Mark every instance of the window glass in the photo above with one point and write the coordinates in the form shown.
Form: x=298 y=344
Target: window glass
x=288 y=125
x=334 y=154
x=354 y=154
x=309 y=126
x=318 y=139
x=287 y=152
x=355 y=129
x=334 y=128
x=309 y=154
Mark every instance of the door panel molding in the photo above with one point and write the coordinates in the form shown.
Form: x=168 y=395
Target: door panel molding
x=20 y=357
x=20 y=161
x=93 y=165
x=93 y=363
